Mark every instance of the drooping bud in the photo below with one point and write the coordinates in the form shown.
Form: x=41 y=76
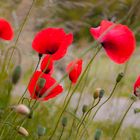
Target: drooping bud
x=97 y=135
x=21 y=109
x=41 y=82
x=16 y=74
x=101 y=93
x=137 y=110
x=84 y=109
x=21 y=130
x=41 y=130
x=119 y=77
x=64 y=121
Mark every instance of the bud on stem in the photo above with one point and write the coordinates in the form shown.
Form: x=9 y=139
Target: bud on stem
x=21 y=130
x=64 y=121
x=119 y=77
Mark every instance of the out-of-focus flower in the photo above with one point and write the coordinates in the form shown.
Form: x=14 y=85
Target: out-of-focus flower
x=6 y=31
x=47 y=64
x=74 y=70
x=52 y=41
x=37 y=90
x=118 y=42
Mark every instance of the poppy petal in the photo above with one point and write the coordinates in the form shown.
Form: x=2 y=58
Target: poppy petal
x=6 y=31
x=36 y=92
x=74 y=70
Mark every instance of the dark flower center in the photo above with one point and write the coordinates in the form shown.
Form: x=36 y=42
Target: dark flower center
x=53 y=49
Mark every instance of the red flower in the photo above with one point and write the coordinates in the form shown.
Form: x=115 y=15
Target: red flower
x=119 y=42
x=137 y=87
x=47 y=64
x=38 y=88
x=52 y=41
x=6 y=31
x=74 y=70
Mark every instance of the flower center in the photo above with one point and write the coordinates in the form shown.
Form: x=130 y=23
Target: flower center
x=51 y=50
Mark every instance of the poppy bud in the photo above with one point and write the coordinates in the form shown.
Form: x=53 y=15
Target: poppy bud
x=21 y=109
x=41 y=82
x=133 y=97
x=101 y=93
x=64 y=121
x=16 y=74
x=137 y=110
x=119 y=77
x=84 y=109
x=96 y=93
x=98 y=134
x=21 y=130
x=41 y=130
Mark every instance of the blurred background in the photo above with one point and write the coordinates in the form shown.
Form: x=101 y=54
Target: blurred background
x=77 y=16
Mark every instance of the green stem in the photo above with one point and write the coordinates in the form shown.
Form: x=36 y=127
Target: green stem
x=67 y=93
x=106 y=99
x=120 y=124
x=29 y=82
x=85 y=117
x=61 y=133
x=73 y=92
x=81 y=93
x=20 y=30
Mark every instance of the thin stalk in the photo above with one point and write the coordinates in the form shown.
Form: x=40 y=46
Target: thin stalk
x=91 y=110
x=61 y=133
x=73 y=92
x=106 y=99
x=81 y=93
x=20 y=31
x=67 y=93
x=85 y=117
x=27 y=86
x=120 y=124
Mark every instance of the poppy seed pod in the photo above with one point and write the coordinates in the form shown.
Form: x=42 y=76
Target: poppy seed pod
x=41 y=130
x=22 y=109
x=64 y=121
x=16 y=74
x=21 y=130
x=119 y=77
x=84 y=109
x=97 y=134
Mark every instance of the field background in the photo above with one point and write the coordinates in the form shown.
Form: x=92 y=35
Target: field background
x=78 y=16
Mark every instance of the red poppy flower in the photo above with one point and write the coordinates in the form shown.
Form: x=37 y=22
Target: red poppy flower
x=74 y=70
x=137 y=87
x=119 y=42
x=47 y=64
x=6 y=31
x=37 y=90
x=52 y=41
